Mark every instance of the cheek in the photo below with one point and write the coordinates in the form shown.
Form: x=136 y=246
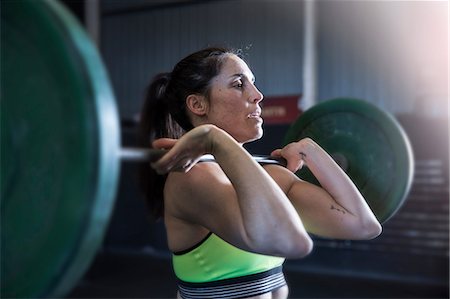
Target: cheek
x=234 y=111
x=227 y=118
x=227 y=106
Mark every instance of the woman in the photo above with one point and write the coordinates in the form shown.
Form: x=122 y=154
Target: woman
x=230 y=223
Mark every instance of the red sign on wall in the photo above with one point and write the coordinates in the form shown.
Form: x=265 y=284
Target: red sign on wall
x=280 y=109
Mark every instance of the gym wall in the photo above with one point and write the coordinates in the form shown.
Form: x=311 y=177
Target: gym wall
x=392 y=54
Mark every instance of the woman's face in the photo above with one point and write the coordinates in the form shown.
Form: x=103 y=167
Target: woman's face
x=234 y=101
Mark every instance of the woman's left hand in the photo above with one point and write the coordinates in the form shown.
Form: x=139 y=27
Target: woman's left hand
x=348 y=215
x=294 y=153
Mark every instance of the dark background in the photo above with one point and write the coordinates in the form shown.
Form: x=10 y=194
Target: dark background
x=392 y=54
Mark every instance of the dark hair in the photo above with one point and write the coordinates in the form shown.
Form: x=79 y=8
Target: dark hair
x=164 y=111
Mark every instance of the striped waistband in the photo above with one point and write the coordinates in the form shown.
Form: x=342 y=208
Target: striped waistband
x=239 y=287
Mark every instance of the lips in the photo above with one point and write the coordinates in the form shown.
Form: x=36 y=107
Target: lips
x=255 y=114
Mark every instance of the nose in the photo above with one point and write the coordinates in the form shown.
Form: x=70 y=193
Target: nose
x=256 y=95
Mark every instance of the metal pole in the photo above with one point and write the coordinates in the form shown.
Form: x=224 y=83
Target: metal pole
x=92 y=19
x=309 y=97
x=133 y=154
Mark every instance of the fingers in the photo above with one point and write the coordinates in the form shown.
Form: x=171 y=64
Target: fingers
x=164 y=143
x=290 y=152
x=276 y=153
x=293 y=161
x=294 y=164
x=170 y=161
x=167 y=165
x=178 y=157
x=183 y=153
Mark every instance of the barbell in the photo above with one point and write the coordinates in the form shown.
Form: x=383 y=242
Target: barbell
x=61 y=153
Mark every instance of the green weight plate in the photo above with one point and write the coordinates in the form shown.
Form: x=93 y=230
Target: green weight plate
x=59 y=145
x=367 y=143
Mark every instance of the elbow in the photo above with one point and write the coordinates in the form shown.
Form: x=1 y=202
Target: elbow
x=370 y=230
x=307 y=247
x=299 y=248
x=294 y=245
x=375 y=231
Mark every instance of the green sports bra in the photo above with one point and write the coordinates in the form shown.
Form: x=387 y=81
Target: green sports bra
x=214 y=259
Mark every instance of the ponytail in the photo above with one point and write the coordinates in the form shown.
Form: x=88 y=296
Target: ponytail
x=164 y=112
x=155 y=122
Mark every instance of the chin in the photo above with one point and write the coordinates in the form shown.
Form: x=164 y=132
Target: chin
x=253 y=138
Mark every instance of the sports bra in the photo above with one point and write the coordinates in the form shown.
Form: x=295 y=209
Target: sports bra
x=214 y=259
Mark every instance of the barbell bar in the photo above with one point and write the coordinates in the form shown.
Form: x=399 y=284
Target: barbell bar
x=135 y=154
x=61 y=150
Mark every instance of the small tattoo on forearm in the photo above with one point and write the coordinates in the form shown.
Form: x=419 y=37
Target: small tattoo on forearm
x=337 y=209
x=303 y=155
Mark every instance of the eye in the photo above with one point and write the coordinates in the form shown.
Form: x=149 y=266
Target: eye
x=238 y=84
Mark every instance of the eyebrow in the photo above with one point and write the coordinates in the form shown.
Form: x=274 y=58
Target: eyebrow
x=240 y=75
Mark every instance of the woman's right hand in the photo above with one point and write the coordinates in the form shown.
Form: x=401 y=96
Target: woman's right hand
x=185 y=152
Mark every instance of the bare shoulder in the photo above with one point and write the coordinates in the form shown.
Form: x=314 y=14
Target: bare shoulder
x=190 y=201
x=199 y=201
x=198 y=179
x=187 y=193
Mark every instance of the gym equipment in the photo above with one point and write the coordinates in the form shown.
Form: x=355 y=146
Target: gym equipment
x=60 y=150
x=60 y=138
x=131 y=154
x=367 y=143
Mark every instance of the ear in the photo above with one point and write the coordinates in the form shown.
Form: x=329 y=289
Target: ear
x=197 y=104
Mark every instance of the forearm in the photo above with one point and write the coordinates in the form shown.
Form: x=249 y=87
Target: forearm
x=335 y=181
x=268 y=217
